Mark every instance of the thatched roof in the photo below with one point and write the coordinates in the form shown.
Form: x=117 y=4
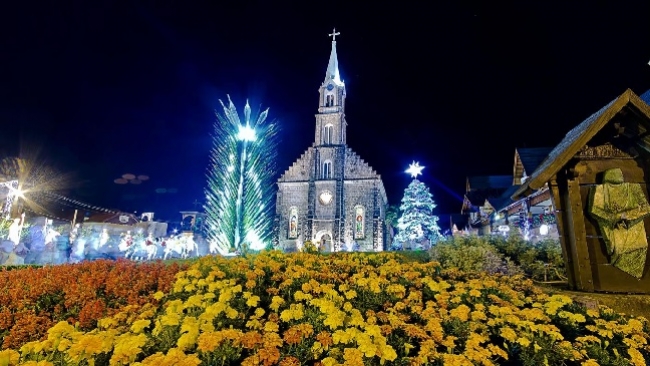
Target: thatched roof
x=578 y=137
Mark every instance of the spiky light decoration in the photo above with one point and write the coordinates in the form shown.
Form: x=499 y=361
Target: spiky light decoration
x=240 y=188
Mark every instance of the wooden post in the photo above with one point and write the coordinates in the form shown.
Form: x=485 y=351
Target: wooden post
x=578 y=237
x=563 y=228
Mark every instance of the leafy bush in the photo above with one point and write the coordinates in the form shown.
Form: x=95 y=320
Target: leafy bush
x=541 y=260
x=471 y=254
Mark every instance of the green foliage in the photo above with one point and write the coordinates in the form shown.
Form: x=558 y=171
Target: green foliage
x=471 y=254
x=309 y=247
x=542 y=261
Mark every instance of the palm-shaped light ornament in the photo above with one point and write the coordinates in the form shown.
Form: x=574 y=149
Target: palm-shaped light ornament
x=240 y=188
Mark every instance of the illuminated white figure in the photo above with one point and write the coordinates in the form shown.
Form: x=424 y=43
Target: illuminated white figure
x=181 y=246
x=143 y=249
x=125 y=242
x=103 y=237
x=14 y=231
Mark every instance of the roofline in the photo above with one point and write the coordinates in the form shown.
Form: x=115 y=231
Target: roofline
x=539 y=178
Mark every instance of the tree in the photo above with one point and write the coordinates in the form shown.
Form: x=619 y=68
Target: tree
x=240 y=192
x=417 y=223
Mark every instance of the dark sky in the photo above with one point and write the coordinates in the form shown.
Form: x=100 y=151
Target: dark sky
x=104 y=88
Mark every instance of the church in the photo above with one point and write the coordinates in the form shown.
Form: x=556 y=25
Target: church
x=330 y=196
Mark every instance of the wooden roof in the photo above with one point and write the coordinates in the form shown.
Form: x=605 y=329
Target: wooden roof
x=578 y=137
x=532 y=157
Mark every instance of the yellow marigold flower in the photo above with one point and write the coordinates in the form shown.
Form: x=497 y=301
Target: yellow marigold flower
x=461 y=312
x=139 y=325
x=170 y=319
x=508 y=334
x=353 y=357
x=159 y=295
x=276 y=302
x=209 y=341
x=590 y=362
x=253 y=301
x=127 y=348
x=9 y=357
x=350 y=294
x=231 y=313
x=474 y=293
x=636 y=358
x=524 y=342
x=37 y=363
x=456 y=360
x=329 y=361
x=271 y=327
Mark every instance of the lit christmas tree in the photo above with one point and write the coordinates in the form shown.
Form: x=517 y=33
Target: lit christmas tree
x=417 y=223
x=240 y=188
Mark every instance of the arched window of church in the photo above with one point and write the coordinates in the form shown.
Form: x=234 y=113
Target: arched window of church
x=328 y=130
x=359 y=222
x=293 y=222
x=327 y=170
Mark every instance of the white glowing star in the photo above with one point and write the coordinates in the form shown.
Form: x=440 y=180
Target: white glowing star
x=415 y=169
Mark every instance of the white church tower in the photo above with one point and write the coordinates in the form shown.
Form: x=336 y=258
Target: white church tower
x=330 y=196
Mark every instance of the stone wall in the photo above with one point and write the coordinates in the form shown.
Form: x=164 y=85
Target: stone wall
x=290 y=195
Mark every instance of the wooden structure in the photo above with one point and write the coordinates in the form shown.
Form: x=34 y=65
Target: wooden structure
x=617 y=136
x=481 y=192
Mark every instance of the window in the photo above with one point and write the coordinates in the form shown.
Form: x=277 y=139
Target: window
x=327 y=170
x=327 y=134
x=359 y=222
x=293 y=222
x=329 y=101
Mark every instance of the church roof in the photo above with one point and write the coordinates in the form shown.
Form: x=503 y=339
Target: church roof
x=580 y=136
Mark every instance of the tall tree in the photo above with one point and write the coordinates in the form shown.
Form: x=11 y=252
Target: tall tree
x=240 y=187
x=417 y=224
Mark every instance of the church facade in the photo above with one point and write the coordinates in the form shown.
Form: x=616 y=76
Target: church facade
x=331 y=196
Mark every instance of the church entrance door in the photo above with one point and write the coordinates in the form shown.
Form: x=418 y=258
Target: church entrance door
x=324 y=241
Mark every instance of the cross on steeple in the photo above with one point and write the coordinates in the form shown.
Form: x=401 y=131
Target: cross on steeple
x=334 y=34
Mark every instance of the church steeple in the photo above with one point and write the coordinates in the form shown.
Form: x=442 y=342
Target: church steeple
x=332 y=73
x=330 y=120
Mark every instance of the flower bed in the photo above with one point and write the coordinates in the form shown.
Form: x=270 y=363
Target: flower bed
x=33 y=299
x=349 y=308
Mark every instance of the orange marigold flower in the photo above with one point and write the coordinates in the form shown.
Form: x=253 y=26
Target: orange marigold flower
x=290 y=361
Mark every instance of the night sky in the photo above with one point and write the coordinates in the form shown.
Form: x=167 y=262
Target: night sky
x=102 y=88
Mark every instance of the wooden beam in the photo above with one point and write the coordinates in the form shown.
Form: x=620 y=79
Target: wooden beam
x=562 y=226
x=578 y=237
